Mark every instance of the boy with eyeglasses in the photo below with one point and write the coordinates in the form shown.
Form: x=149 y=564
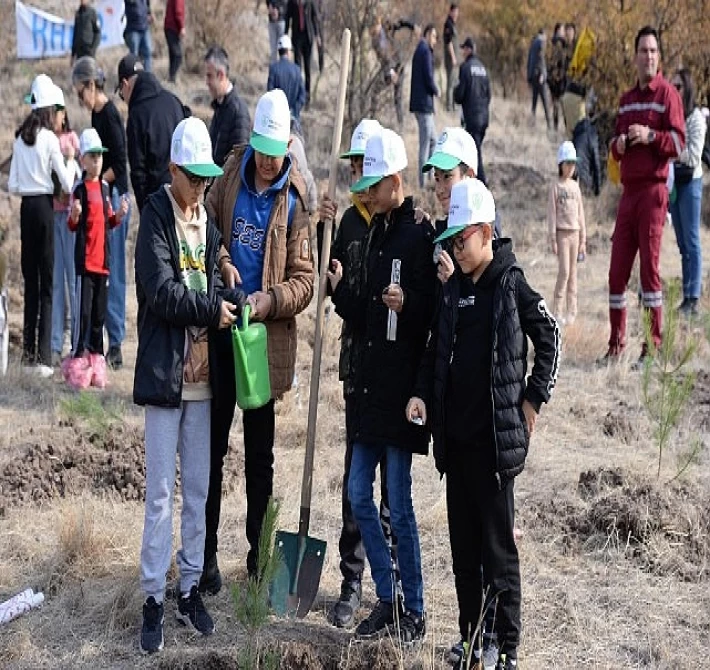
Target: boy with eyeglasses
x=182 y=304
x=473 y=392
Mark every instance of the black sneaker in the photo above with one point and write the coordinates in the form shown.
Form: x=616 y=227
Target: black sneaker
x=191 y=612
x=410 y=628
x=376 y=624
x=152 y=630
x=211 y=579
x=349 y=602
x=114 y=358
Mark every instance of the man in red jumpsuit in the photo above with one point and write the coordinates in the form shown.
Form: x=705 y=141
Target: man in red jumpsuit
x=650 y=131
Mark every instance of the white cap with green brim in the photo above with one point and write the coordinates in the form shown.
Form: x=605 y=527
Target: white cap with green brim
x=385 y=155
x=191 y=148
x=44 y=93
x=567 y=153
x=453 y=147
x=272 y=124
x=90 y=143
x=471 y=204
x=363 y=131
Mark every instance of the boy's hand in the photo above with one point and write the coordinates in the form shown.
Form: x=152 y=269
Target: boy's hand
x=530 y=416
x=445 y=267
x=226 y=316
x=335 y=274
x=327 y=209
x=394 y=298
x=75 y=211
x=122 y=208
x=260 y=302
x=230 y=275
x=553 y=247
x=420 y=216
x=583 y=249
x=416 y=409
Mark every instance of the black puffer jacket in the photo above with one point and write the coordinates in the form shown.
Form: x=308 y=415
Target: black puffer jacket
x=518 y=313
x=166 y=307
x=383 y=372
x=153 y=115
x=473 y=93
x=230 y=125
x=586 y=142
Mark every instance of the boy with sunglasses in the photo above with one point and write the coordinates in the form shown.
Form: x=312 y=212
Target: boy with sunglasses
x=182 y=304
x=473 y=393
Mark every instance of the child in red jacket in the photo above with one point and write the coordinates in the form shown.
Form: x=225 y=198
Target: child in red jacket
x=91 y=216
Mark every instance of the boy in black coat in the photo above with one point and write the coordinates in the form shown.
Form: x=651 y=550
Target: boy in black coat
x=388 y=299
x=353 y=229
x=473 y=392
x=181 y=304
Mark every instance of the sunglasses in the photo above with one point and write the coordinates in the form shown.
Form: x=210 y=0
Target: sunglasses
x=195 y=181
x=460 y=240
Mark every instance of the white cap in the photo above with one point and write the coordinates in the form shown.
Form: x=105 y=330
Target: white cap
x=454 y=146
x=284 y=43
x=385 y=155
x=471 y=203
x=191 y=148
x=566 y=153
x=44 y=93
x=363 y=131
x=272 y=124
x=90 y=143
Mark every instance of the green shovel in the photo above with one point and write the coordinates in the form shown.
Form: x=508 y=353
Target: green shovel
x=295 y=584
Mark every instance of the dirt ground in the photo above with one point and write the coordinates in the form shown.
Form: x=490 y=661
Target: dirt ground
x=614 y=559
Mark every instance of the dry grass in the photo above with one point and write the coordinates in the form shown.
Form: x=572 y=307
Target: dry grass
x=597 y=599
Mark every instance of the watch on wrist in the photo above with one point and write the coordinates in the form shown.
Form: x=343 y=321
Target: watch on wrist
x=651 y=136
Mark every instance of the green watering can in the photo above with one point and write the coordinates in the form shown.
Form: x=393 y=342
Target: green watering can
x=251 y=363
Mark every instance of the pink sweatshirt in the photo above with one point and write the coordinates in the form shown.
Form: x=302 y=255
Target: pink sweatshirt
x=66 y=140
x=565 y=209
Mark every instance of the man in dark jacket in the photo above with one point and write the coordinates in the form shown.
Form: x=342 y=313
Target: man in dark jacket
x=586 y=142
x=473 y=93
x=286 y=75
x=450 y=42
x=231 y=123
x=87 y=32
x=537 y=73
x=473 y=392
x=303 y=19
x=388 y=300
x=423 y=91
x=153 y=115
x=137 y=32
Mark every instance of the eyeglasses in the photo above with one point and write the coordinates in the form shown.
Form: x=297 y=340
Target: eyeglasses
x=195 y=181
x=460 y=240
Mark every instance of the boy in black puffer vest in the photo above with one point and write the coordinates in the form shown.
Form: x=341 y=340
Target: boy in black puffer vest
x=388 y=299
x=473 y=393
x=91 y=216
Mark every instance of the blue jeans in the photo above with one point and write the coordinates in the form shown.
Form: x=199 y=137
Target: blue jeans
x=139 y=44
x=116 y=309
x=427 y=140
x=685 y=212
x=366 y=458
x=63 y=280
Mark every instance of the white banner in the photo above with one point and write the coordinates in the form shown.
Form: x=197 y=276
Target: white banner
x=43 y=35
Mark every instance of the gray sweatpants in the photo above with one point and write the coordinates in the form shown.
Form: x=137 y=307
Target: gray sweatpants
x=184 y=431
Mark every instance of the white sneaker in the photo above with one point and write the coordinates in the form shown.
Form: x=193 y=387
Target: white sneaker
x=44 y=371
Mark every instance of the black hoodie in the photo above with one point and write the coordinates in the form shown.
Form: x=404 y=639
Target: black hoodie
x=498 y=361
x=153 y=114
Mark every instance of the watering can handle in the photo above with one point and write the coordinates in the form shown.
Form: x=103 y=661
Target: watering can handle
x=240 y=345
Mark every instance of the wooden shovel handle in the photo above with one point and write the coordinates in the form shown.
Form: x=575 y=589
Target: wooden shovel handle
x=304 y=520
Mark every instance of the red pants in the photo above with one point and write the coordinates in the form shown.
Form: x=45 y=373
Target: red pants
x=639 y=227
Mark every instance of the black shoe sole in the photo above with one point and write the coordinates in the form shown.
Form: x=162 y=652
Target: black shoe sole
x=184 y=619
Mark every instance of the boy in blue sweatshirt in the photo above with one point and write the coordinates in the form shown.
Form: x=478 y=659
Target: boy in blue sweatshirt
x=473 y=392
